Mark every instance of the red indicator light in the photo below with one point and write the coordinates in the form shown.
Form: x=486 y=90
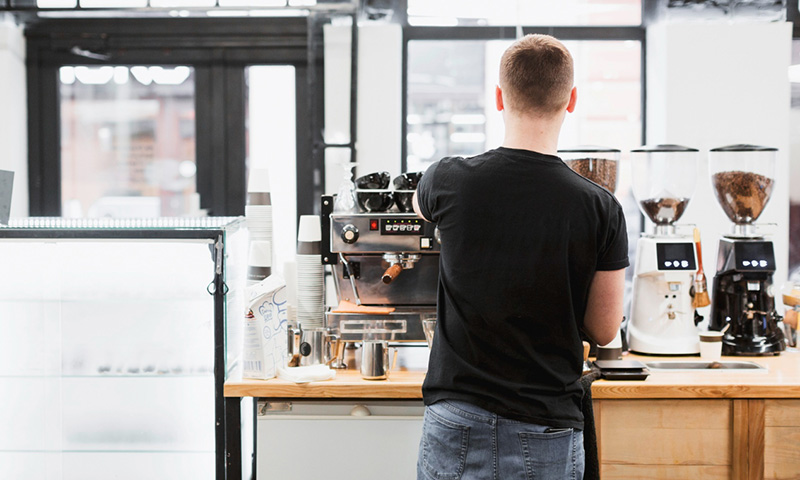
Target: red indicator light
x=373 y=224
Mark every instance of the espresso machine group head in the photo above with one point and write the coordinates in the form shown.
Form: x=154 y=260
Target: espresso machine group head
x=663 y=319
x=742 y=293
x=385 y=260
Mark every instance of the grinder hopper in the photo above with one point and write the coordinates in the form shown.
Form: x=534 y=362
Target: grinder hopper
x=664 y=178
x=598 y=164
x=742 y=177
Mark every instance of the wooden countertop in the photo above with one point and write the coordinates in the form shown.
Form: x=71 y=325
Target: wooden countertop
x=780 y=380
x=347 y=384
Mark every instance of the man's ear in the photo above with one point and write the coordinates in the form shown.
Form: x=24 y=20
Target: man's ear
x=498 y=98
x=573 y=98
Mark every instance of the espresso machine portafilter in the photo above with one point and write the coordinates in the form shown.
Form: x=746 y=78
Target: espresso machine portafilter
x=386 y=271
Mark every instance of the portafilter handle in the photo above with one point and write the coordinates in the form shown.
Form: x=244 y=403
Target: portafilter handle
x=391 y=273
x=397 y=263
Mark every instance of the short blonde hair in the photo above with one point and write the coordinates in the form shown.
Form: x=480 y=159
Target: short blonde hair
x=536 y=75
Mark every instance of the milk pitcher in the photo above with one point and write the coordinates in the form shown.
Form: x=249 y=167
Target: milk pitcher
x=318 y=346
x=375 y=360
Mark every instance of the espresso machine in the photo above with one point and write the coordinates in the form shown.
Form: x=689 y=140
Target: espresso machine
x=386 y=272
x=743 y=177
x=662 y=319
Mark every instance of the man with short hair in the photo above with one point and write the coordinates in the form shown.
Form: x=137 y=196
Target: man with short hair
x=532 y=254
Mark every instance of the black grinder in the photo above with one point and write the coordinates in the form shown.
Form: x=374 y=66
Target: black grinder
x=742 y=298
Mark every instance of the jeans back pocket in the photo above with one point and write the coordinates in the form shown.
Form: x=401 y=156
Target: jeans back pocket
x=444 y=446
x=549 y=455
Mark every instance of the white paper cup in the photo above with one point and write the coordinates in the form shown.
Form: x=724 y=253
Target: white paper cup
x=310 y=229
x=711 y=346
x=258 y=181
x=260 y=254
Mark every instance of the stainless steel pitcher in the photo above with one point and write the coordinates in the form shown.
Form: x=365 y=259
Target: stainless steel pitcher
x=294 y=337
x=318 y=346
x=375 y=360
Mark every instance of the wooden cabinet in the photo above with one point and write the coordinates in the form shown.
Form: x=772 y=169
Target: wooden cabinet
x=687 y=425
x=747 y=439
x=782 y=439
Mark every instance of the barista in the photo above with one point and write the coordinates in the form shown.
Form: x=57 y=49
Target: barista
x=532 y=254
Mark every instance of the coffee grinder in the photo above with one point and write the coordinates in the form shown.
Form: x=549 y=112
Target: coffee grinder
x=663 y=320
x=743 y=177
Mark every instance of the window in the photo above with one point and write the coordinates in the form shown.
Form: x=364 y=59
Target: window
x=128 y=141
x=451 y=84
x=147 y=118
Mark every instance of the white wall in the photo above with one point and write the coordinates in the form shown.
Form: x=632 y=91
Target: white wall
x=380 y=83
x=379 y=109
x=794 y=158
x=13 y=119
x=716 y=84
x=337 y=102
x=273 y=146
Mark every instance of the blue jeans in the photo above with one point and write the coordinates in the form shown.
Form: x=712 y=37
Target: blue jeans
x=463 y=442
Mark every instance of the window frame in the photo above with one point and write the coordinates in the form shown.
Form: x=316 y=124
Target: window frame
x=571 y=33
x=219 y=50
x=793 y=16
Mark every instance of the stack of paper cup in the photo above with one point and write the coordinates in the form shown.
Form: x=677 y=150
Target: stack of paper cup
x=259 y=261
x=310 y=303
x=258 y=211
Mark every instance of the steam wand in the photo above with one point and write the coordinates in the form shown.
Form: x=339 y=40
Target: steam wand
x=352 y=277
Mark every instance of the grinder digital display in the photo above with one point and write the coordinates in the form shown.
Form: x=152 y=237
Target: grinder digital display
x=675 y=256
x=756 y=256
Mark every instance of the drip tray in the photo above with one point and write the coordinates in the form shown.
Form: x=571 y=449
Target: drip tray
x=700 y=365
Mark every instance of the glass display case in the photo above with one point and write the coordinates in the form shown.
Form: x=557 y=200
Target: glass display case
x=115 y=346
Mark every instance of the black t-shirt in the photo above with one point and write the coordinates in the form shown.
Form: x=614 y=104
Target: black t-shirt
x=522 y=236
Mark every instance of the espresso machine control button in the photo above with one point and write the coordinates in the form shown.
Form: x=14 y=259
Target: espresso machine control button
x=349 y=234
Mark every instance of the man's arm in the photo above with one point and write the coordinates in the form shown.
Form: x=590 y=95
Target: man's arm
x=415 y=203
x=604 y=308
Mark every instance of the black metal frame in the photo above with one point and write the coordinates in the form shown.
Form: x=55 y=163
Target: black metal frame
x=793 y=15
x=218 y=49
